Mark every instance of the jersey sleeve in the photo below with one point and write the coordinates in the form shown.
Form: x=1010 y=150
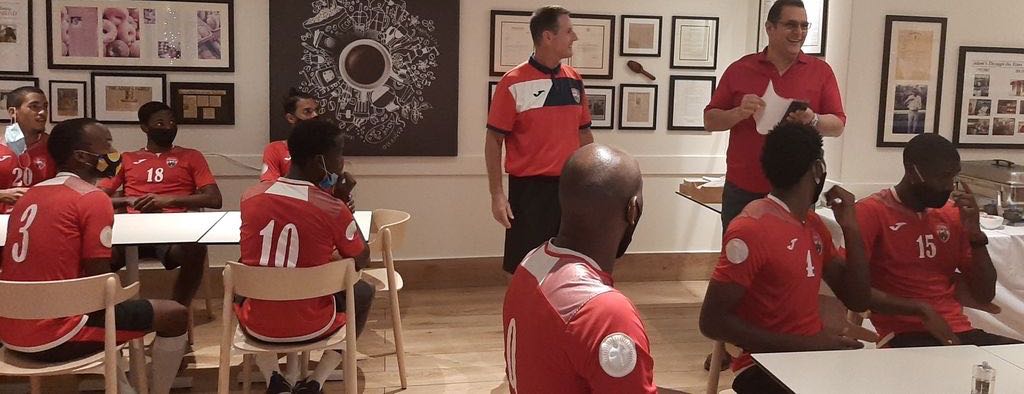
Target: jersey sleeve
x=271 y=169
x=502 y=115
x=347 y=238
x=96 y=221
x=831 y=101
x=609 y=348
x=585 y=119
x=722 y=97
x=115 y=182
x=742 y=253
x=200 y=171
x=869 y=224
x=7 y=176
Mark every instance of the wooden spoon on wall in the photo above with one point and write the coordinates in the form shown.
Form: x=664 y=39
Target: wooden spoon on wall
x=637 y=68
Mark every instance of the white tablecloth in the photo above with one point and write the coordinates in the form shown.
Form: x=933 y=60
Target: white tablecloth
x=1006 y=247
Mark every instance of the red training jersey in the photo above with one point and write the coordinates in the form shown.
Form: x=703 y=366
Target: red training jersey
x=540 y=111
x=293 y=224
x=53 y=227
x=779 y=260
x=914 y=255
x=567 y=330
x=178 y=172
x=276 y=161
x=11 y=174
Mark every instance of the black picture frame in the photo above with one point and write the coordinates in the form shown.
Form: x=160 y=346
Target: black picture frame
x=491 y=86
x=102 y=64
x=8 y=84
x=27 y=53
x=672 y=98
x=518 y=17
x=609 y=108
x=961 y=129
x=623 y=29
x=580 y=20
x=653 y=88
x=885 y=137
x=55 y=100
x=681 y=65
x=126 y=118
x=188 y=99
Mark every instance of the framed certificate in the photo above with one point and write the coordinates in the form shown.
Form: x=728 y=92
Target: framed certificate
x=694 y=42
x=687 y=97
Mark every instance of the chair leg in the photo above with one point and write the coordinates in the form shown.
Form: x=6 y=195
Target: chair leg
x=396 y=324
x=716 y=361
x=247 y=362
x=191 y=326
x=208 y=287
x=36 y=384
x=303 y=365
x=139 y=366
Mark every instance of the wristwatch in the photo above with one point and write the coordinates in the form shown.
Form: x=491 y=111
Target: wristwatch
x=814 y=122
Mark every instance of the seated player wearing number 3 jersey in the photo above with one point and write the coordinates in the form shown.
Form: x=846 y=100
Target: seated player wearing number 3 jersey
x=163 y=177
x=296 y=212
x=567 y=330
x=61 y=229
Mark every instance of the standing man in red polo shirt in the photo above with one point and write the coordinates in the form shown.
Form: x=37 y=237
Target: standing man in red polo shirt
x=794 y=75
x=539 y=109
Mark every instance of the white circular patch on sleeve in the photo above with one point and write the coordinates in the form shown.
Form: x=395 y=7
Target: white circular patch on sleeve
x=350 y=232
x=617 y=355
x=106 y=237
x=736 y=251
x=264 y=170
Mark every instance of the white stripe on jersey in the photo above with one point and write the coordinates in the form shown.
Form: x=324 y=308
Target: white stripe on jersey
x=530 y=94
x=298 y=192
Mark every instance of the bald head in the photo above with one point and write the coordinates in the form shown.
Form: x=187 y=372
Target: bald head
x=598 y=178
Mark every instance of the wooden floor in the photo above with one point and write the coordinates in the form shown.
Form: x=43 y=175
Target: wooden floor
x=454 y=342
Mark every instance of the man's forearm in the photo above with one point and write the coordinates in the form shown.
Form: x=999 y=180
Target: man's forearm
x=830 y=125
x=720 y=120
x=492 y=157
x=982 y=276
x=729 y=328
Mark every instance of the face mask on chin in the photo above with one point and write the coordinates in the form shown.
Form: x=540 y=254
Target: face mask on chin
x=106 y=165
x=820 y=185
x=163 y=137
x=330 y=179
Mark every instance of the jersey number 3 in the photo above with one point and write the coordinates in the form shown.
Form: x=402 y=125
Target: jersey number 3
x=19 y=251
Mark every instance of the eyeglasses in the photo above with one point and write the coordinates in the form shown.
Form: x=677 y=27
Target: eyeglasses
x=794 y=25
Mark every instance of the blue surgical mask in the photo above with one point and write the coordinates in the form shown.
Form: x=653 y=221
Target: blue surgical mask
x=330 y=179
x=14 y=138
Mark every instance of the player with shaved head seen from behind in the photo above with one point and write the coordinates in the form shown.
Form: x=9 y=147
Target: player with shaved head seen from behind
x=567 y=330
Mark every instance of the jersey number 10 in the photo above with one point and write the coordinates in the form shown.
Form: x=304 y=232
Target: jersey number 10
x=287 y=251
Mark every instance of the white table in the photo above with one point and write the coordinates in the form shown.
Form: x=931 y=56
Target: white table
x=1006 y=247
x=1013 y=354
x=226 y=231
x=134 y=229
x=940 y=369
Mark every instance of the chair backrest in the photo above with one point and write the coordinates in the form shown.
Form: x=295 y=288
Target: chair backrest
x=286 y=284
x=60 y=298
x=391 y=220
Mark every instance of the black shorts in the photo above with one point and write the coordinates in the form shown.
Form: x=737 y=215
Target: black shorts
x=133 y=319
x=534 y=202
x=973 y=337
x=755 y=380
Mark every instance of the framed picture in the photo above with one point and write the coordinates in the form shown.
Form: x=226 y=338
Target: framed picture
x=687 y=96
x=116 y=97
x=601 y=100
x=694 y=42
x=640 y=36
x=67 y=100
x=203 y=103
x=8 y=84
x=989 y=98
x=491 y=87
x=817 y=33
x=592 y=53
x=911 y=89
x=16 y=36
x=511 y=42
x=141 y=35
x=639 y=108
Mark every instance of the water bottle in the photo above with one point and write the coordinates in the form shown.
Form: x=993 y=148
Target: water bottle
x=984 y=379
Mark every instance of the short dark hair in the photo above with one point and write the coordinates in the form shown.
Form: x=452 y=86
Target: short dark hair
x=789 y=152
x=775 y=13
x=313 y=137
x=17 y=96
x=149 y=109
x=930 y=151
x=291 y=100
x=545 y=19
x=67 y=137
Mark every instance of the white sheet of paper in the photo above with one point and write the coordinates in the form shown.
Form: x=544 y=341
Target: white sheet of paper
x=774 y=110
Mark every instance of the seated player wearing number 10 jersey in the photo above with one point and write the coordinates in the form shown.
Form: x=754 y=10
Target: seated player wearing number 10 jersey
x=294 y=223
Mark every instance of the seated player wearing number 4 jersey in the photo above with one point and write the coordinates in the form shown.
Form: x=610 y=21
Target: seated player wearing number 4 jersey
x=61 y=229
x=163 y=177
x=295 y=212
x=567 y=330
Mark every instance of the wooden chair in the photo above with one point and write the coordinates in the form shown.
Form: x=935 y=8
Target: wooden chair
x=53 y=299
x=387 y=233
x=282 y=284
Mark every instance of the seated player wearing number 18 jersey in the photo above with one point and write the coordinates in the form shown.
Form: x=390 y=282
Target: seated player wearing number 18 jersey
x=763 y=294
x=163 y=177
x=294 y=223
x=61 y=229
x=567 y=330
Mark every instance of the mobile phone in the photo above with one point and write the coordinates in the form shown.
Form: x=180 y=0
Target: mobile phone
x=796 y=106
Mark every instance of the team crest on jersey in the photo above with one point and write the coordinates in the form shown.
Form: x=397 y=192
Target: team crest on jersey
x=617 y=355
x=172 y=162
x=818 y=245
x=576 y=95
x=40 y=164
x=943 y=232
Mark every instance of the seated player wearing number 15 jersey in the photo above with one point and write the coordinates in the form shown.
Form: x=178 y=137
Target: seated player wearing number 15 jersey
x=163 y=177
x=294 y=223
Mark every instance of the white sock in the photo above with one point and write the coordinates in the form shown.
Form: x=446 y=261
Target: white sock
x=167 y=353
x=292 y=360
x=123 y=386
x=328 y=363
x=267 y=362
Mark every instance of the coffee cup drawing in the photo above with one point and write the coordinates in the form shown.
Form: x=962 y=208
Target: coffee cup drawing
x=365 y=64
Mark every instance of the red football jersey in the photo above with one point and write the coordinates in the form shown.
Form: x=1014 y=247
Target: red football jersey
x=289 y=224
x=39 y=161
x=179 y=172
x=55 y=225
x=567 y=330
x=276 y=161
x=914 y=255
x=779 y=261
x=11 y=174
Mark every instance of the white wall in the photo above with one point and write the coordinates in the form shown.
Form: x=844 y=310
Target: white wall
x=995 y=23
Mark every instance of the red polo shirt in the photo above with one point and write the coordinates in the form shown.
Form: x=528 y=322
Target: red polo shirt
x=809 y=79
